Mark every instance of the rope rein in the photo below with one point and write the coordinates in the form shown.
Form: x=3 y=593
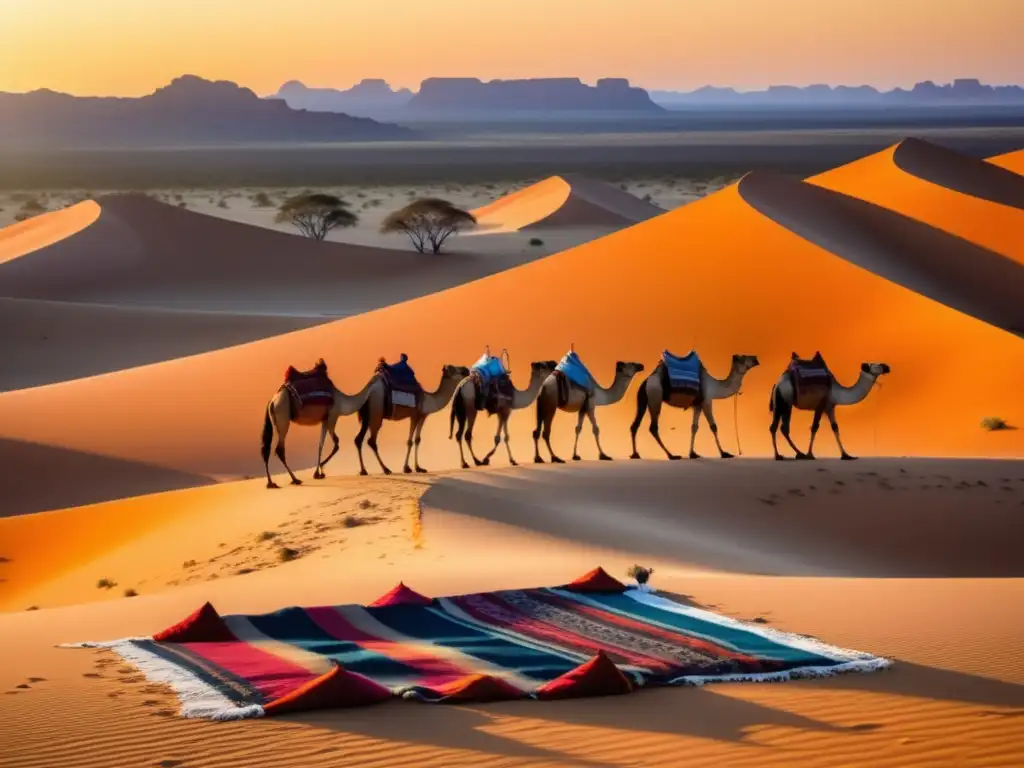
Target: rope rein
x=736 y=420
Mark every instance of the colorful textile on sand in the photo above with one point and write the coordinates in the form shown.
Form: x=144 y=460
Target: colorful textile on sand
x=592 y=637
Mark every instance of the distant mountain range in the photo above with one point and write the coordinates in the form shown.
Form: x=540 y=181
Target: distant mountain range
x=965 y=91
x=188 y=111
x=469 y=94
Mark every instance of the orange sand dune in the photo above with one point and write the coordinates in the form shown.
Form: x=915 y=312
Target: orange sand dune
x=1013 y=161
x=956 y=193
x=45 y=230
x=565 y=201
x=731 y=280
x=143 y=252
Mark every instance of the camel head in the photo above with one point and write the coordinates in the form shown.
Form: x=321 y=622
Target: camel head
x=544 y=367
x=744 y=363
x=628 y=369
x=875 y=369
x=454 y=372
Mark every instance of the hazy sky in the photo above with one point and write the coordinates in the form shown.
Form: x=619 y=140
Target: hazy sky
x=130 y=47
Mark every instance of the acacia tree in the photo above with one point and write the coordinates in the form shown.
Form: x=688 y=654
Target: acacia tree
x=316 y=214
x=428 y=222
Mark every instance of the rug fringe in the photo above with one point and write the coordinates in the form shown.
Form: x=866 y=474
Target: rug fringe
x=197 y=699
x=873 y=664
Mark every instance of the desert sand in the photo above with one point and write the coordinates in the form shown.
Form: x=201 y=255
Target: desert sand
x=958 y=194
x=133 y=496
x=1013 y=161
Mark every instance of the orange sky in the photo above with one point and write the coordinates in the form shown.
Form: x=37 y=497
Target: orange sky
x=129 y=47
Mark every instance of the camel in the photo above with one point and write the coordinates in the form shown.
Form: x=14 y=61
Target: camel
x=581 y=402
x=651 y=397
x=784 y=399
x=278 y=417
x=372 y=415
x=464 y=410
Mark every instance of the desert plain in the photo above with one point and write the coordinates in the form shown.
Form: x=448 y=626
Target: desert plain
x=144 y=335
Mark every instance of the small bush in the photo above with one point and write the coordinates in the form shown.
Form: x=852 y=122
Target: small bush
x=286 y=554
x=266 y=536
x=536 y=241
x=189 y=564
x=639 y=573
x=351 y=521
x=130 y=593
x=995 y=424
x=183 y=204
x=222 y=203
x=262 y=200
x=105 y=584
x=32 y=608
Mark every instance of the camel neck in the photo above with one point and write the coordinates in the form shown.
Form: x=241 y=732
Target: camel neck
x=716 y=389
x=438 y=399
x=346 y=405
x=523 y=397
x=851 y=395
x=615 y=392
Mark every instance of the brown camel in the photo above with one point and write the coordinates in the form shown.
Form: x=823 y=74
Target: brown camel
x=651 y=396
x=372 y=414
x=279 y=415
x=465 y=412
x=578 y=401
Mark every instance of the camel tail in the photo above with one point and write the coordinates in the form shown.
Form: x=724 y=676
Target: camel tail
x=641 y=406
x=771 y=400
x=268 y=433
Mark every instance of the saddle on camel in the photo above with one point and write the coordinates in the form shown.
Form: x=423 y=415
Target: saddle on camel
x=492 y=381
x=680 y=378
x=400 y=385
x=311 y=393
x=571 y=372
x=811 y=381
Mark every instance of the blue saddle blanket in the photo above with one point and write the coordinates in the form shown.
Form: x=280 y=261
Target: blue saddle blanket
x=401 y=374
x=489 y=367
x=683 y=372
x=576 y=371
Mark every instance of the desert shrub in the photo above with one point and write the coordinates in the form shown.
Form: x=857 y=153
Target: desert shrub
x=286 y=554
x=130 y=592
x=183 y=204
x=105 y=584
x=428 y=223
x=536 y=241
x=222 y=203
x=995 y=424
x=640 y=573
x=352 y=521
x=189 y=564
x=316 y=214
x=262 y=200
x=647 y=198
x=32 y=608
x=266 y=536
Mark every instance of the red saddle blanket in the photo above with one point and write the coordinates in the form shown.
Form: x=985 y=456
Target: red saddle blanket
x=493 y=395
x=311 y=393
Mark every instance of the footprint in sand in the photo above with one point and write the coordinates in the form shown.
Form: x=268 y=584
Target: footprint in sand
x=170 y=763
x=92 y=674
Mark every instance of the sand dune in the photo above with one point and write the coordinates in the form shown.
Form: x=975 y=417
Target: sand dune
x=957 y=273
x=142 y=252
x=951 y=698
x=50 y=341
x=784 y=294
x=1013 y=161
x=564 y=201
x=952 y=192
x=46 y=229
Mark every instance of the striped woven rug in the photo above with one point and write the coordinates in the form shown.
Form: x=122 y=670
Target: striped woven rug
x=592 y=637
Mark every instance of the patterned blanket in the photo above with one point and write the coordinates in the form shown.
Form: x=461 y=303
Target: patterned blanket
x=592 y=637
x=683 y=372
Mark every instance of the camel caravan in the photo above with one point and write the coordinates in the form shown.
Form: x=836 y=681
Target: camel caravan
x=394 y=393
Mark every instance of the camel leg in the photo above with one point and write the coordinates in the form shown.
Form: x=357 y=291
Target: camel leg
x=815 y=423
x=470 y=422
x=416 y=445
x=693 y=433
x=413 y=421
x=549 y=420
x=592 y=415
x=786 y=420
x=642 y=404
x=332 y=425
x=317 y=474
x=372 y=442
x=655 y=408
x=783 y=413
x=709 y=414
x=369 y=421
x=831 y=411
x=269 y=428
x=579 y=428
x=508 y=443
x=502 y=419
x=545 y=418
x=458 y=435
x=282 y=433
